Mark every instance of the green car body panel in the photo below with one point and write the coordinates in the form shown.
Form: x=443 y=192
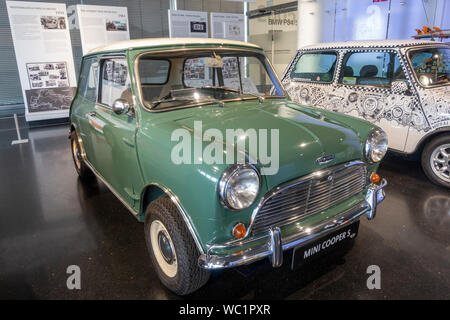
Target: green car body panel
x=132 y=153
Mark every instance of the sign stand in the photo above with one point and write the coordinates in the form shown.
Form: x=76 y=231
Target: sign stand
x=19 y=137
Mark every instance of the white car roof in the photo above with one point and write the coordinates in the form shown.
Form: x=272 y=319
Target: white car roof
x=370 y=43
x=157 y=42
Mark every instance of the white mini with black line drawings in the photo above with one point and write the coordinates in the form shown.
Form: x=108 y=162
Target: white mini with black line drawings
x=403 y=86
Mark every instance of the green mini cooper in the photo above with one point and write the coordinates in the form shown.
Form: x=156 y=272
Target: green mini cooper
x=199 y=140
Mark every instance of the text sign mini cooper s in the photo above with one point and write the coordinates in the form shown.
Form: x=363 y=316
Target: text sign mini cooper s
x=402 y=86
x=199 y=141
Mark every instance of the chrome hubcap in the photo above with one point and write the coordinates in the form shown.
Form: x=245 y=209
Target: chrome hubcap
x=440 y=162
x=164 y=246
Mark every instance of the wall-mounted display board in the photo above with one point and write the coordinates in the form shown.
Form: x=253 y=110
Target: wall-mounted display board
x=184 y=23
x=229 y=26
x=44 y=58
x=99 y=25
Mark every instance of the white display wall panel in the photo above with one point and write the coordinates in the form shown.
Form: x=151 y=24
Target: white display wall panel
x=44 y=58
x=99 y=25
x=188 y=24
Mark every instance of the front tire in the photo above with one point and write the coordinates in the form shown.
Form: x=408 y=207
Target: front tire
x=436 y=160
x=172 y=250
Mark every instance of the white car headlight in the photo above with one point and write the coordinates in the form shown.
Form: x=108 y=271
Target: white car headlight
x=239 y=186
x=376 y=146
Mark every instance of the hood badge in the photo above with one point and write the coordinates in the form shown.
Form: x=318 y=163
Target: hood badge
x=325 y=159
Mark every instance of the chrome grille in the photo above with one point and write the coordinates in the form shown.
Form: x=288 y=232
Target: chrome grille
x=309 y=195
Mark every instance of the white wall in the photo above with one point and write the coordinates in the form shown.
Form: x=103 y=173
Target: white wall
x=343 y=20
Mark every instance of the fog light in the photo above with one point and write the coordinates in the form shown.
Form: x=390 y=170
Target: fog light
x=239 y=230
x=375 y=178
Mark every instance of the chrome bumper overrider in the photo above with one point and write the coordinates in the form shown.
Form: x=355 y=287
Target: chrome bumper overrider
x=273 y=243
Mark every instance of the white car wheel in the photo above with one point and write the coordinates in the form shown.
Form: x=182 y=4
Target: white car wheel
x=163 y=249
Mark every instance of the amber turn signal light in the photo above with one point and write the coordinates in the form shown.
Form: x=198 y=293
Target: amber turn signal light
x=375 y=178
x=239 y=230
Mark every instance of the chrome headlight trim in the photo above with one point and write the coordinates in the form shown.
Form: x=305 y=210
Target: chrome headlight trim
x=377 y=139
x=224 y=181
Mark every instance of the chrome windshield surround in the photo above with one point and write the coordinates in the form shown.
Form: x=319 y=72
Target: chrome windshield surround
x=278 y=189
x=137 y=80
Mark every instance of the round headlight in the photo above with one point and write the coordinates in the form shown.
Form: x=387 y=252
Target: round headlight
x=376 y=146
x=239 y=186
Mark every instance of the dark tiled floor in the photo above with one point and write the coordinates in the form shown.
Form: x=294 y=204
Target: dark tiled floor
x=50 y=220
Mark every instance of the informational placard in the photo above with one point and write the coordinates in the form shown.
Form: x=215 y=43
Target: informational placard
x=99 y=25
x=44 y=58
x=229 y=26
x=184 y=23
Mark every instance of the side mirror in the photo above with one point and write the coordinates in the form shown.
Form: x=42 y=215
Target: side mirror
x=120 y=106
x=399 y=87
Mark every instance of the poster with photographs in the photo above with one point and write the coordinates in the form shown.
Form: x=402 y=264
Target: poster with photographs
x=116 y=25
x=99 y=25
x=44 y=58
x=229 y=26
x=53 y=22
x=49 y=99
x=196 y=74
x=48 y=75
x=183 y=23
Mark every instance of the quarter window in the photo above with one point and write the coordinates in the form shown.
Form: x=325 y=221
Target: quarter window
x=315 y=67
x=115 y=81
x=87 y=87
x=377 y=69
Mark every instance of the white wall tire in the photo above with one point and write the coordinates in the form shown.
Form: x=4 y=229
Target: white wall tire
x=167 y=262
x=185 y=276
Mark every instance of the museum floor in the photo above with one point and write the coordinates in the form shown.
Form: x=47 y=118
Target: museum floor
x=50 y=220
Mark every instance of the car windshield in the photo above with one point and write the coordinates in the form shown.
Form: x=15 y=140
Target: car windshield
x=431 y=65
x=198 y=77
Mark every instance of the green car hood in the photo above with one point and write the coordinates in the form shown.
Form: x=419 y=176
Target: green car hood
x=304 y=134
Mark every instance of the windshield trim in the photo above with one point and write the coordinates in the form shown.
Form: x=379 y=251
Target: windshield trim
x=150 y=52
x=414 y=75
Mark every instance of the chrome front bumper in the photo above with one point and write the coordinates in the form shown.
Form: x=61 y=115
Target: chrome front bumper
x=274 y=242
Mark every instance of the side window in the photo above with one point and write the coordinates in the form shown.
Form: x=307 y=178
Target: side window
x=115 y=81
x=154 y=72
x=87 y=87
x=377 y=69
x=315 y=67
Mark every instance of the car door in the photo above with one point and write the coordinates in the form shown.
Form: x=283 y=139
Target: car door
x=85 y=103
x=114 y=143
x=364 y=89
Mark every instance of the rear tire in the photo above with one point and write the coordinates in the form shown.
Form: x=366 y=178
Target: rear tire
x=436 y=160
x=172 y=250
x=82 y=169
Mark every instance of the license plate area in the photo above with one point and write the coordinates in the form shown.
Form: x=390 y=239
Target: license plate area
x=333 y=241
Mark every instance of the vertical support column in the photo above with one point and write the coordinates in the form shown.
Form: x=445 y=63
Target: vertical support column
x=310 y=15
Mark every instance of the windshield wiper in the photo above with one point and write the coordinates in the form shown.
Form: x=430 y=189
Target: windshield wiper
x=260 y=98
x=158 y=102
